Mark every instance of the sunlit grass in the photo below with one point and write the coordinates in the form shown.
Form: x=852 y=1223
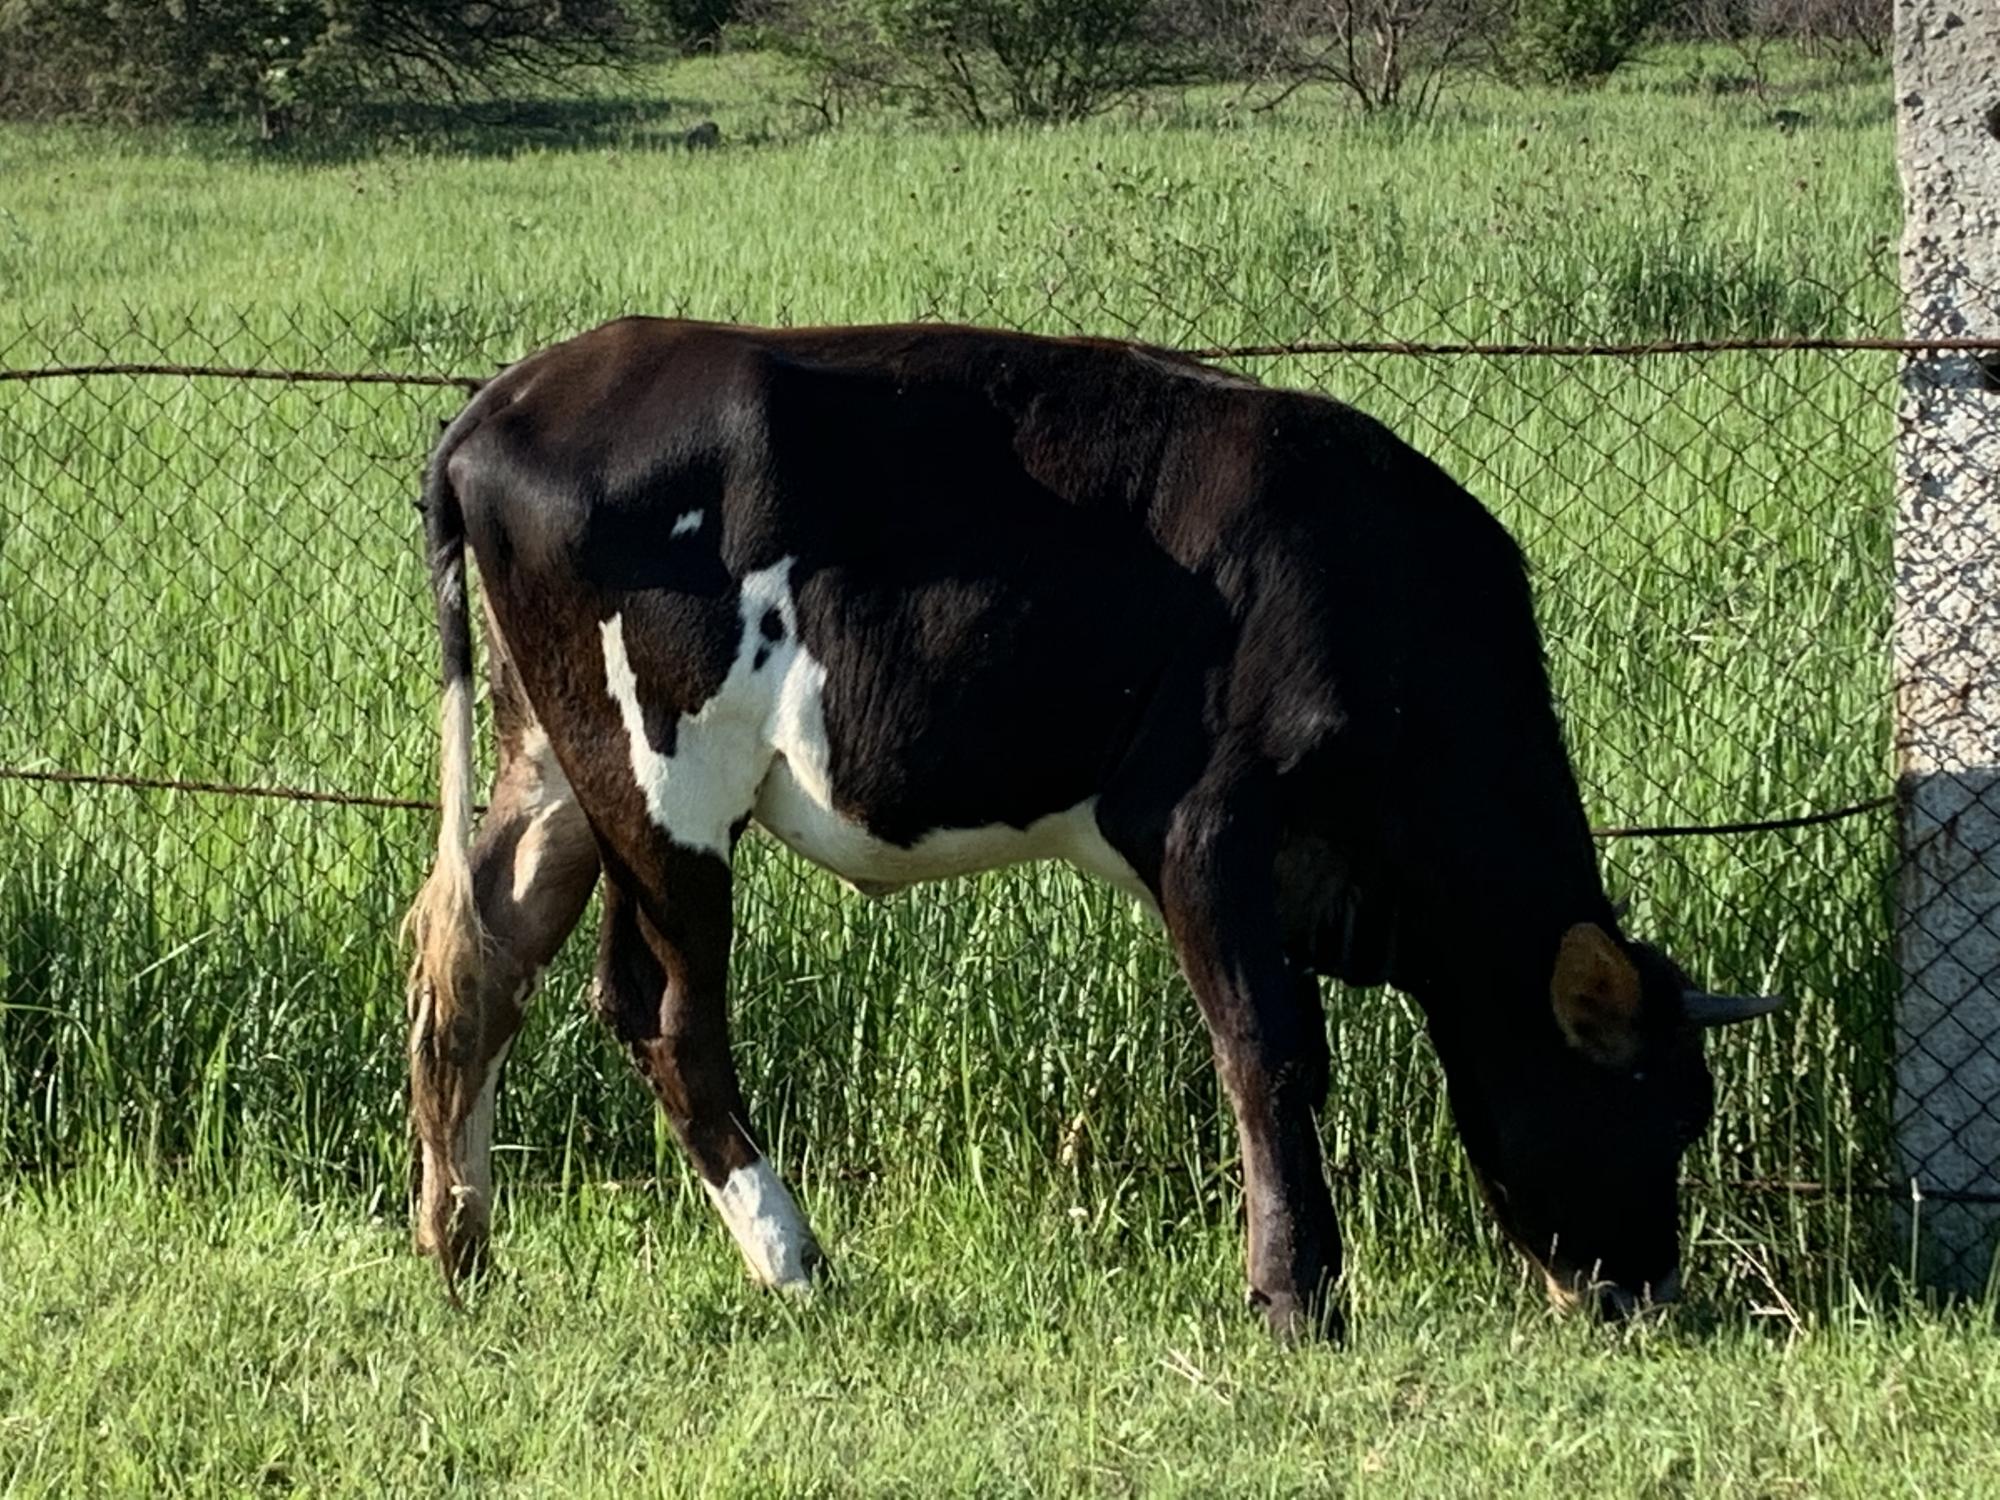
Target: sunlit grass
x=161 y=1338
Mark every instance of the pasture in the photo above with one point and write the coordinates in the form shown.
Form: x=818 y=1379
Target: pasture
x=995 y=1098
x=986 y=1344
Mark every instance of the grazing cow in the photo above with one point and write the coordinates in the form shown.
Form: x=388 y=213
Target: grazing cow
x=929 y=600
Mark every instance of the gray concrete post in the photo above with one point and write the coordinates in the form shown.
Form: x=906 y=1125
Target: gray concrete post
x=1947 y=59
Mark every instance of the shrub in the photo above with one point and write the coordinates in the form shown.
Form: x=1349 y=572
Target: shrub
x=1578 y=41
x=281 y=60
x=691 y=25
x=1384 y=54
x=984 y=61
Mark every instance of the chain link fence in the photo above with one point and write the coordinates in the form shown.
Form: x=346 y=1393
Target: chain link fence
x=217 y=741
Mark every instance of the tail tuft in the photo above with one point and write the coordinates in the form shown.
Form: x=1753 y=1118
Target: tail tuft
x=449 y=942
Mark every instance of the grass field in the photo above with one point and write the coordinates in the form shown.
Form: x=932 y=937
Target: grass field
x=993 y=1344
x=220 y=581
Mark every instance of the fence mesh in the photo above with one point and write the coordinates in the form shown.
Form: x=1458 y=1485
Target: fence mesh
x=211 y=585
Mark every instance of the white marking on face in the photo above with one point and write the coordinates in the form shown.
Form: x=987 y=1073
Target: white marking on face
x=767 y=1225
x=686 y=522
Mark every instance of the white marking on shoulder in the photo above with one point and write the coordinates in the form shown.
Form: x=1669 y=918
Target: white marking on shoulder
x=765 y=1220
x=686 y=522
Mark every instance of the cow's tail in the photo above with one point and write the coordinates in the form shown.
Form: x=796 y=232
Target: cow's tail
x=449 y=941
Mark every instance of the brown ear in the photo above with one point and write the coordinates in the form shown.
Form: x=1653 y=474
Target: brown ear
x=1595 y=992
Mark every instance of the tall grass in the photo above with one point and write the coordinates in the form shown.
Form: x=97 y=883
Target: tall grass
x=222 y=582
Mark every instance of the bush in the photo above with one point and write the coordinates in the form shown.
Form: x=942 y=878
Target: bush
x=692 y=25
x=279 y=61
x=1384 y=54
x=980 y=62
x=1578 y=41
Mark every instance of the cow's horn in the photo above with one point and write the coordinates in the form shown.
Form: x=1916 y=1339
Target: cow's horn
x=1705 y=1009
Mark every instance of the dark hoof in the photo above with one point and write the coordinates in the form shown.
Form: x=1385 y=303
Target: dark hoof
x=819 y=1270
x=464 y=1258
x=1294 y=1318
x=1611 y=1302
x=818 y=1277
x=472 y=1257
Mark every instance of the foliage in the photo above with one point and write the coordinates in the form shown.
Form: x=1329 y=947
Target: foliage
x=691 y=25
x=1578 y=41
x=280 y=60
x=979 y=62
x=1385 y=54
x=1844 y=31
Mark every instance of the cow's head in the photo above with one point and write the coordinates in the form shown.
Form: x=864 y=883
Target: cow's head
x=1576 y=1121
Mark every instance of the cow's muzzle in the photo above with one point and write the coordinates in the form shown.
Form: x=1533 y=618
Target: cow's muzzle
x=1611 y=1301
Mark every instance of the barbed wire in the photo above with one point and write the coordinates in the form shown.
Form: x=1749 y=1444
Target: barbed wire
x=217 y=789
x=1293 y=349
x=1357 y=347
x=419 y=804
x=1805 y=343
x=244 y=372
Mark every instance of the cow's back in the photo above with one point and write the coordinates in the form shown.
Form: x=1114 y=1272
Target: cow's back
x=1015 y=559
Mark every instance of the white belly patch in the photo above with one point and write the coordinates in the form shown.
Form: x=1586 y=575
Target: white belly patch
x=809 y=827
x=759 y=746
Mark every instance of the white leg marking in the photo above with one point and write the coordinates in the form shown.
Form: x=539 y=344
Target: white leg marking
x=552 y=794
x=769 y=1229
x=686 y=522
x=474 y=1177
x=474 y=1173
x=528 y=853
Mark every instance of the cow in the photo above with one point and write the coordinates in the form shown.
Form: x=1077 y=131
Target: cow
x=926 y=600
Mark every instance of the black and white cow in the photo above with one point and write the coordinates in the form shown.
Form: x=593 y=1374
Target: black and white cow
x=928 y=600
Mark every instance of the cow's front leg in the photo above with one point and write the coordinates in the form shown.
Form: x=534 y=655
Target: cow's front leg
x=662 y=987
x=1269 y=1039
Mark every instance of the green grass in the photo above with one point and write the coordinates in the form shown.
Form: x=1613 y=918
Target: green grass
x=221 y=582
x=169 y=1341
x=996 y=1097
x=1650 y=205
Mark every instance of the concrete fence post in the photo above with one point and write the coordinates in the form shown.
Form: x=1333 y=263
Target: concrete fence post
x=1947 y=61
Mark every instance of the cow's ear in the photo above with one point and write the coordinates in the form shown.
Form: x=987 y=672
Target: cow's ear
x=1596 y=994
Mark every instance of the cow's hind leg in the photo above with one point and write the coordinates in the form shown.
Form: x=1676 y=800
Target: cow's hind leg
x=1269 y=1039
x=662 y=987
x=533 y=865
